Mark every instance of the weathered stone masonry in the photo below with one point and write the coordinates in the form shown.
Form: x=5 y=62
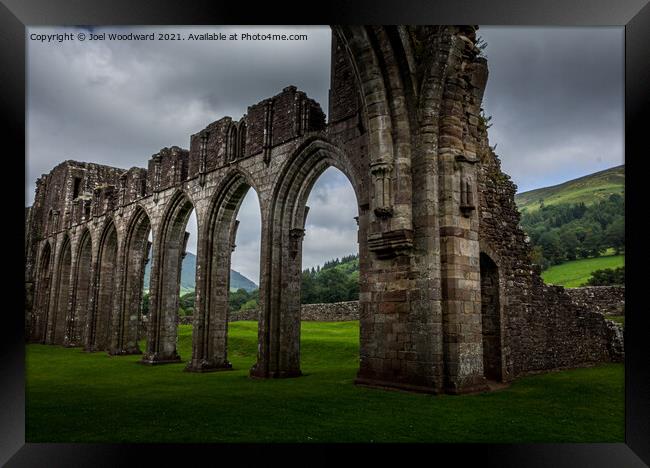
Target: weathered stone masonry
x=448 y=295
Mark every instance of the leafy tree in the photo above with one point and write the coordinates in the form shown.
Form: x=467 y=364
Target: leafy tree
x=607 y=277
x=615 y=234
x=563 y=232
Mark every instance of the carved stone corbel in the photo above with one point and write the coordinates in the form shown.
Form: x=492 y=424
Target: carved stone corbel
x=381 y=174
x=295 y=238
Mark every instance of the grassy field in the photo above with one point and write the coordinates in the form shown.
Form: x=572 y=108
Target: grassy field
x=588 y=189
x=74 y=396
x=576 y=273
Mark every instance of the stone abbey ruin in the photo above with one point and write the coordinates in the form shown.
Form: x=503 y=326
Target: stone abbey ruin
x=449 y=298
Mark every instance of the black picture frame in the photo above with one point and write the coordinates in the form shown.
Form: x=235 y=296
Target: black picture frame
x=15 y=15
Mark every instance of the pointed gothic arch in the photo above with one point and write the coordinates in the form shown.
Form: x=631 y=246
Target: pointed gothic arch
x=61 y=307
x=99 y=325
x=168 y=252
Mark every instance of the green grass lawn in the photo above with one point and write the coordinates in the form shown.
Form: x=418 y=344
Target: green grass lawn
x=74 y=396
x=578 y=272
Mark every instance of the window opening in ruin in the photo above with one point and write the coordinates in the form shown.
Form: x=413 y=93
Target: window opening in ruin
x=76 y=187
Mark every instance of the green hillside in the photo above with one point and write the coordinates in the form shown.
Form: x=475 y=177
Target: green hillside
x=588 y=190
x=577 y=273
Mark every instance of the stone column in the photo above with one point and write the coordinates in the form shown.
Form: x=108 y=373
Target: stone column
x=279 y=322
x=163 y=303
x=210 y=331
x=128 y=296
x=459 y=224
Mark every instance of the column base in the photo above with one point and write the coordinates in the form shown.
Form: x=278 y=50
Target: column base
x=125 y=352
x=207 y=366
x=256 y=373
x=155 y=359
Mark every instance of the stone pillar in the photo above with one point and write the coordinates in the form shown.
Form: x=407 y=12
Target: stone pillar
x=163 y=303
x=210 y=331
x=459 y=225
x=70 y=338
x=279 y=323
x=126 y=310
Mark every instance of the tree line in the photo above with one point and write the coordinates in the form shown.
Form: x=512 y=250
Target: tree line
x=565 y=232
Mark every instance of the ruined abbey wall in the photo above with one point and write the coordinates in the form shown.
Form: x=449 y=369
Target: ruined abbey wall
x=449 y=298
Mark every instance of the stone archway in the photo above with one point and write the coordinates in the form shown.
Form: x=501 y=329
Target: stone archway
x=168 y=252
x=99 y=326
x=282 y=234
x=57 y=325
x=491 y=319
x=215 y=247
x=133 y=260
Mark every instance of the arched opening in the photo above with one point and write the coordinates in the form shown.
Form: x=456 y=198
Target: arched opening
x=62 y=304
x=135 y=257
x=143 y=324
x=245 y=259
x=81 y=290
x=100 y=324
x=43 y=295
x=214 y=287
x=232 y=143
x=169 y=250
x=282 y=239
x=241 y=145
x=330 y=262
x=490 y=318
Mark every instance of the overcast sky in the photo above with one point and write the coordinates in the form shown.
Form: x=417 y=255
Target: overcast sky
x=555 y=96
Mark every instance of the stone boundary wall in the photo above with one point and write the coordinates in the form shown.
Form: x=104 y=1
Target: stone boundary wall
x=608 y=300
x=334 y=312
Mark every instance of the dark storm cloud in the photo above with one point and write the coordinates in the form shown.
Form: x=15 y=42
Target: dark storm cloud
x=556 y=100
x=555 y=94
x=119 y=102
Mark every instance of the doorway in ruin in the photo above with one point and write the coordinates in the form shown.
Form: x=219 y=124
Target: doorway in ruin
x=490 y=318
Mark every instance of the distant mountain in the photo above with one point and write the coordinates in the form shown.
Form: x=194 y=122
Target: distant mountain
x=588 y=190
x=188 y=272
